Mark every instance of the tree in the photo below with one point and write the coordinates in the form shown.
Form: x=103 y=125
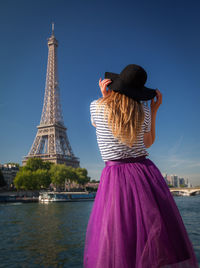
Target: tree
x=26 y=180
x=32 y=180
x=35 y=163
x=60 y=173
x=47 y=165
x=82 y=175
x=43 y=178
x=2 y=181
x=39 y=174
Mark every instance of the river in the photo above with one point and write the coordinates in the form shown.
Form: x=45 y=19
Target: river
x=52 y=235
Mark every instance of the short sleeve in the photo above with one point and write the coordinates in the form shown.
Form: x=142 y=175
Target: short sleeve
x=147 y=119
x=93 y=112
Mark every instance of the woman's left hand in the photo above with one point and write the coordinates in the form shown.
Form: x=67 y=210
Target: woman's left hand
x=103 y=85
x=155 y=104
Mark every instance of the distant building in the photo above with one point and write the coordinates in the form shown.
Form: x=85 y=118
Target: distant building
x=175 y=181
x=9 y=172
x=169 y=179
x=182 y=181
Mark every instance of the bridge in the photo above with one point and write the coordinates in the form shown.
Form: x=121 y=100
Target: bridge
x=185 y=191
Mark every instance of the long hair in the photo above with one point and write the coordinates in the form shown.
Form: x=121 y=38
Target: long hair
x=125 y=116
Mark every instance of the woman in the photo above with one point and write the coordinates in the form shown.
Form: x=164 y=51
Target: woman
x=134 y=222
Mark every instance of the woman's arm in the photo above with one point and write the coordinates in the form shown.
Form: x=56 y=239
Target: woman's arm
x=103 y=85
x=149 y=137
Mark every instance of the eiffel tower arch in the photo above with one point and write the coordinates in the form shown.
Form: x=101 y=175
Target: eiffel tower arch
x=51 y=142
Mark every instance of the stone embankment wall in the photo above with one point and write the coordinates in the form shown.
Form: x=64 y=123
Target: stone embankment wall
x=20 y=193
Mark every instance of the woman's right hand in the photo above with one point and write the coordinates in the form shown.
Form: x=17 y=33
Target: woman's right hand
x=103 y=85
x=155 y=104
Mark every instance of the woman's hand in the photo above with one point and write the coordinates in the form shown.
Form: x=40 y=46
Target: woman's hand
x=103 y=85
x=155 y=105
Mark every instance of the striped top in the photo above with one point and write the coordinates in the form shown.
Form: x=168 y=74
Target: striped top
x=110 y=147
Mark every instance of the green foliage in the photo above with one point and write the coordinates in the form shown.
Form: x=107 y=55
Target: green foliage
x=32 y=180
x=82 y=175
x=2 y=181
x=43 y=178
x=34 y=164
x=34 y=175
x=60 y=173
x=26 y=180
x=47 y=165
x=37 y=174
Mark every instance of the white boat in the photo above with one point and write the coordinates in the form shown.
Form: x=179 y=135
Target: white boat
x=46 y=197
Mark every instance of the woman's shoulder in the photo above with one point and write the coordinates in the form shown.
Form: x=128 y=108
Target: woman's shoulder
x=97 y=110
x=93 y=106
x=93 y=103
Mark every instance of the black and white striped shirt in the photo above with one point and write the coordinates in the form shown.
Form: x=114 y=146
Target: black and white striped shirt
x=110 y=147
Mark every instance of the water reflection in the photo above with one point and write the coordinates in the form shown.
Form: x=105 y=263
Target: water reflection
x=48 y=235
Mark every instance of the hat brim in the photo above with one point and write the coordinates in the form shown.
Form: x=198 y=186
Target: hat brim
x=109 y=75
x=117 y=83
x=138 y=94
x=147 y=93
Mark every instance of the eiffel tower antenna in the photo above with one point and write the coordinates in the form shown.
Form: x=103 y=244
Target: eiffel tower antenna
x=51 y=142
x=53 y=28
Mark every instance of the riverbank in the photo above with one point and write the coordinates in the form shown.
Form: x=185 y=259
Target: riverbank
x=35 y=196
x=19 y=196
x=11 y=198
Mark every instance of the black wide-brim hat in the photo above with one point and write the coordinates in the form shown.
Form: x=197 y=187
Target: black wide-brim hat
x=130 y=82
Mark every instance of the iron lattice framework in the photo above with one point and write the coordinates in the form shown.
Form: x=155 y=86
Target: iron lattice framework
x=51 y=142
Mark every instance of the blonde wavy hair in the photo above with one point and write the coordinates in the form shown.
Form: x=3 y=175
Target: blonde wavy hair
x=125 y=116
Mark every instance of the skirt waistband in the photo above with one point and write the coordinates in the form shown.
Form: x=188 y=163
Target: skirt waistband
x=125 y=160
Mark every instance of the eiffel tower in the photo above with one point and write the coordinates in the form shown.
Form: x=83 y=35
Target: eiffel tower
x=51 y=142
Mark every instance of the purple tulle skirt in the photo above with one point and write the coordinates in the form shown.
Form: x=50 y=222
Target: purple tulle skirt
x=135 y=222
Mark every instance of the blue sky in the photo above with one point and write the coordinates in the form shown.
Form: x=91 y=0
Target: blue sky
x=94 y=37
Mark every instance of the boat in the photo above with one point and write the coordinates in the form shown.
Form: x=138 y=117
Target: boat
x=46 y=197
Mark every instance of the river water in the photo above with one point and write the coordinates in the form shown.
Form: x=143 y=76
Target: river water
x=53 y=235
